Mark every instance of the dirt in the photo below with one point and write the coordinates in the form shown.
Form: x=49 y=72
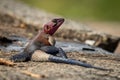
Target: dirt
x=12 y=26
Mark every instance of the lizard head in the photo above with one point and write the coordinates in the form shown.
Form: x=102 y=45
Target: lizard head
x=52 y=26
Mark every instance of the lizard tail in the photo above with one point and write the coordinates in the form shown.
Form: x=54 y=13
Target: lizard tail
x=42 y=56
x=73 y=62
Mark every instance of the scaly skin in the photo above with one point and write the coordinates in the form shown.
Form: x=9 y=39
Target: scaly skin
x=42 y=48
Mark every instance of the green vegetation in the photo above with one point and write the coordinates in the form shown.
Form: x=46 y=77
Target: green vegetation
x=107 y=10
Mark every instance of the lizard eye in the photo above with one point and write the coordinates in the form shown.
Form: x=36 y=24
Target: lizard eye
x=54 y=20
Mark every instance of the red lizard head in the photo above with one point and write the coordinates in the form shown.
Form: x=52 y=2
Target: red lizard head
x=51 y=27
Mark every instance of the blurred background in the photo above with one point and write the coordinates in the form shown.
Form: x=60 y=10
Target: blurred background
x=102 y=15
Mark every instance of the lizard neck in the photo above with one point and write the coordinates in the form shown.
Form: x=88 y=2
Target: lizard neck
x=44 y=39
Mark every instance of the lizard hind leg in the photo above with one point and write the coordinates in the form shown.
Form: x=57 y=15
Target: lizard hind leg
x=54 y=51
x=50 y=50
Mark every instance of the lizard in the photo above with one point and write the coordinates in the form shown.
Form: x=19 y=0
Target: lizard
x=42 y=48
x=42 y=40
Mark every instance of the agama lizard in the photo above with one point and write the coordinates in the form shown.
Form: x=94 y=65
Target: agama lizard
x=42 y=48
